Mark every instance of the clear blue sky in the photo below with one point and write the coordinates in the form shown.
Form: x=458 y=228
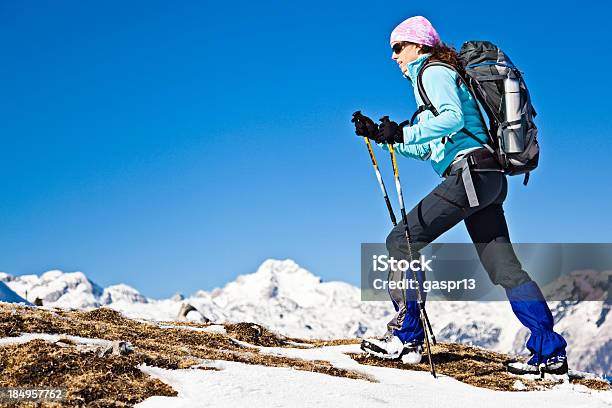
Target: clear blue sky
x=175 y=145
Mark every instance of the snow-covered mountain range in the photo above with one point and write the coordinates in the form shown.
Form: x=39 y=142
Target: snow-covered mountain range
x=291 y=300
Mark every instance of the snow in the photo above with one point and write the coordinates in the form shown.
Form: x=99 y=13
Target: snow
x=57 y=288
x=293 y=301
x=334 y=354
x=121 y=293
x=236 y=384
x=519 y=386
x=214 y=328
x=589 y=337
x=9 y=296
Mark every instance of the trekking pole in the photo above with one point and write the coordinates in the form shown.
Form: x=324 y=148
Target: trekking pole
x=358 y=116
x=420 y=302
x=393 y=220
x=433 y=336
x=381 y=183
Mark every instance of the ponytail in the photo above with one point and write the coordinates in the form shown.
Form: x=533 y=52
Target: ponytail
x=446 y=54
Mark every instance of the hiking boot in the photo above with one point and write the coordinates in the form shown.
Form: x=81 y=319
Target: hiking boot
x=413 y=352
x=387 y=347
x=391 y=347
x=555 y=365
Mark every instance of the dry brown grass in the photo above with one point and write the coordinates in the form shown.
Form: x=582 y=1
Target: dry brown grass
x=170 y=348
x=593 y=384
x=93 y=381
x=474 y=366
x=255 y=334
x=113 y=380
x=337 y=342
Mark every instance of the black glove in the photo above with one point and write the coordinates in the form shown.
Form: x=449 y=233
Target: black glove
x=364 y=126
x=389 y=131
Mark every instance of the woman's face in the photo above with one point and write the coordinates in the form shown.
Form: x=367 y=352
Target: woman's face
x=405 y=52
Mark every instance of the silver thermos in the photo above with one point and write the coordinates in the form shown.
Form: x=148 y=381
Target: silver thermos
x=512 y=135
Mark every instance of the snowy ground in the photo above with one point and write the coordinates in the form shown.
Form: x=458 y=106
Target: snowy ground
x=233 y=384
x=236 y=384
x=292 y=301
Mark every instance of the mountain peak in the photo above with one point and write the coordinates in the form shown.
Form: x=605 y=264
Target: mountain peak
x=121 y=293
x=5 y=277
x=273 y=279
x=67 y=289
x=57 y=274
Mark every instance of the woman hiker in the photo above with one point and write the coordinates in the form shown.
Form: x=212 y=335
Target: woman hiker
x=414 y=42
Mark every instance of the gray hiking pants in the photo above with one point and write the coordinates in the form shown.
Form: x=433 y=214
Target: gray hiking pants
x=445 y=206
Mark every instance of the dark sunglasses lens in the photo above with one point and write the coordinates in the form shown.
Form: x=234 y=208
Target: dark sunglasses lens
x=397 y=48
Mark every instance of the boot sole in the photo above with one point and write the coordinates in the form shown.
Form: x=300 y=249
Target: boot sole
x=379 y=354
x=382 y=354
x=561 y=371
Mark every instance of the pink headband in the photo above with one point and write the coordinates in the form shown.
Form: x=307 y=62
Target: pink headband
x=417 y=30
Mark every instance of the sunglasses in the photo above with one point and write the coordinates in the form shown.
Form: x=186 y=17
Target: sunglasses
x=397 y=48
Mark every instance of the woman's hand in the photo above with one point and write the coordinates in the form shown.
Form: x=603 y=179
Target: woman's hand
x=389 y=131
x=364 y=126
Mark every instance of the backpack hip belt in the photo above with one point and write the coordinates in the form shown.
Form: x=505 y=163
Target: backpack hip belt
x=480 y=160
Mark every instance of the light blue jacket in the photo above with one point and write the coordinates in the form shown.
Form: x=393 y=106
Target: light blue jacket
x=457 y=109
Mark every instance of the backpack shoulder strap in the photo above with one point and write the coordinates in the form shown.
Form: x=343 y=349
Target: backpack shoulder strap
x=427 y=105
x=426 y=101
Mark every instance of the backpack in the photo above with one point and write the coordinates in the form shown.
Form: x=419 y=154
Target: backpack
x=499 y=88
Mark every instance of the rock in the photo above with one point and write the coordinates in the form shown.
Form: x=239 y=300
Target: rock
x=189 y=313
x=117 y=348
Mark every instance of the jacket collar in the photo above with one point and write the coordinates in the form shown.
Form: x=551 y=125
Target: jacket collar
x=414 y=67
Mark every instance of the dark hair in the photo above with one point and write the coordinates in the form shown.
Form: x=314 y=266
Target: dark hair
x=444 y=53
